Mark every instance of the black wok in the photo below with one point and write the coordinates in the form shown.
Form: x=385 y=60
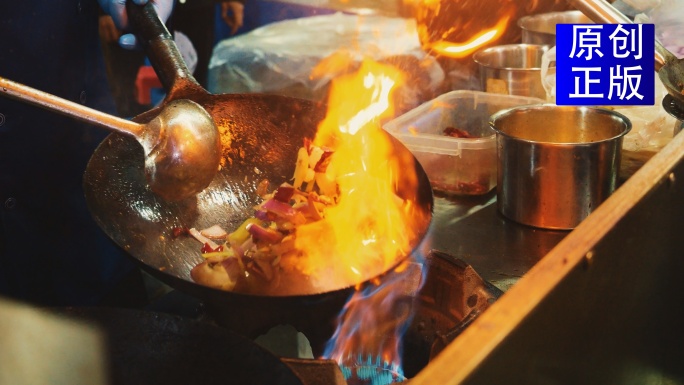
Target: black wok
x=266 y=132
x=670 y=68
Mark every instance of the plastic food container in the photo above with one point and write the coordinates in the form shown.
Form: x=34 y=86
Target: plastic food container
x=456 y=165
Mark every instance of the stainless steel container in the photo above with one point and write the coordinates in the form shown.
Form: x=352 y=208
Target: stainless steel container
x=556 y=164
x=541 y=28
x=512 y=69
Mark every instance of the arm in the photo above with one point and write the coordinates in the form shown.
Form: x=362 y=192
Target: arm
x=233 y=14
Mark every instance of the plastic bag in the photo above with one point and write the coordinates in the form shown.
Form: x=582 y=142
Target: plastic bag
x=548 y=73
x=281 y=57
x=666 y=15
x=668 y=18
x=186 y=49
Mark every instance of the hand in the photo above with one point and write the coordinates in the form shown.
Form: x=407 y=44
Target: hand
x=108 y=31
x=233 y=13
x=117 y=10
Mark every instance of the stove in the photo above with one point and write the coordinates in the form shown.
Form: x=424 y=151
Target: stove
x=449 y=296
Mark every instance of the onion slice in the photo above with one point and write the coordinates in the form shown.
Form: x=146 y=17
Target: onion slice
x=284 y=193
x=263 y=234
x=197 y=235
x=284 y=210
x=214 y=232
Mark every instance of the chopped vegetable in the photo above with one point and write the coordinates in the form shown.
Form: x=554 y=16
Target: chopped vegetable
x=258 y=246
x=197 y=235
x=284 y=210
x=260 y=234
x=206 y=248
x=178 y=231
x=262 y=188
x=301 y=167
x=214 y=232
x=218 y=273
x=322 y=164
x=240 y=235
x=284 y=193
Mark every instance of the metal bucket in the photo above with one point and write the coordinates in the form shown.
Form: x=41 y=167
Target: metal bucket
x=541 y=28
x=512 y=69
x=556 y=164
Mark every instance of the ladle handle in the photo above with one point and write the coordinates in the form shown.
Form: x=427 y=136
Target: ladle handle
x=161 y=50
x=601 y=11
x=54 y=103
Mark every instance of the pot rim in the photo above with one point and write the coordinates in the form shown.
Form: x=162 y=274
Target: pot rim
x=508 y=111
x=477 y=56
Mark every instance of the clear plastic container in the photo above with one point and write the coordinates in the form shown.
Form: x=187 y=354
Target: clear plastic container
x=455 y=165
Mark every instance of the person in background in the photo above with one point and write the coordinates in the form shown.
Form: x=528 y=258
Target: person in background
x=195 y=19
x=52 y=253
x=233 y=14
x=122 y=66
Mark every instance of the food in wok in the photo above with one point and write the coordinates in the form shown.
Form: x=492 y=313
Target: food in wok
x=273 y=248
x=263 y=245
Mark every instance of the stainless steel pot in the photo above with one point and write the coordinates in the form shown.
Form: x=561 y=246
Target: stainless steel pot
x=512 y=69
x=556 y=164
x=541 y=28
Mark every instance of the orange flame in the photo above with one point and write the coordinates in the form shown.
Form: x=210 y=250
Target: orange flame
x=371 y=225
x=457 y=28
x=367 y=231
x=457 y=50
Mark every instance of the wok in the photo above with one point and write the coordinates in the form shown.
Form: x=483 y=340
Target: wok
x=670 y=68
x=265 y=133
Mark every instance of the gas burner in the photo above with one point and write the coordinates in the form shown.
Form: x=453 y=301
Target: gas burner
x=676 y=110
x=451 y=297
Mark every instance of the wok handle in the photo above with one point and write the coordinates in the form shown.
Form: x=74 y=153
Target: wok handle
x=162 y=51
x=600 y=11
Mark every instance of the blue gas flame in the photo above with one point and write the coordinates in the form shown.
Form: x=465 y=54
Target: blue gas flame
x=367 y=343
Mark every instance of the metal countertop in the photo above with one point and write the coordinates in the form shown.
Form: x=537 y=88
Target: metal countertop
x=500 y=250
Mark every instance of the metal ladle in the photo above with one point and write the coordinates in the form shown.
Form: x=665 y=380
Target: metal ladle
x=181 y=144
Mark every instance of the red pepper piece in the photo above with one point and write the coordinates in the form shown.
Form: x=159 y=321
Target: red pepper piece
x=178 y=231
x=207 y=249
